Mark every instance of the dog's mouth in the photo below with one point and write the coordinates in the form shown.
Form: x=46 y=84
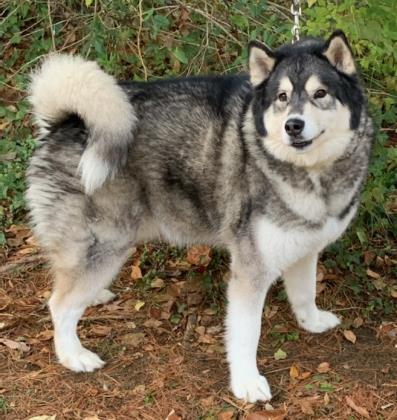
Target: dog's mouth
x=301 y=144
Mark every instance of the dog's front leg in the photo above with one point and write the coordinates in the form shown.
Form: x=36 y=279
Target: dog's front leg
x=300 y=284
x=243 y=324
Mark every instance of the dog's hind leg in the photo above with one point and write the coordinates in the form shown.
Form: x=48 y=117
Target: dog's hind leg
x=103 y=296
x=75 y=289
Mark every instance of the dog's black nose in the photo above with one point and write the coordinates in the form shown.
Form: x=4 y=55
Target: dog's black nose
x=294 y=126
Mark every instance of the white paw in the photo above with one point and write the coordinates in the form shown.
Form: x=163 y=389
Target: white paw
x=320 y=322
x=103 y=296
x=251 y=389
x=81 y=361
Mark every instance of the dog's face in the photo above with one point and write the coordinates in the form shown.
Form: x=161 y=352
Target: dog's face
x=307 y=99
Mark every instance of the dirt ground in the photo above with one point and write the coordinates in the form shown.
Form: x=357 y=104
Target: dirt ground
x=162 y=340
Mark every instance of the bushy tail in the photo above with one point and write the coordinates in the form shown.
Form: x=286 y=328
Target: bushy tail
x=65 y=85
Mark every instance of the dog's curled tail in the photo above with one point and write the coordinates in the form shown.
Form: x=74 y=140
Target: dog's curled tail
x=66 y=85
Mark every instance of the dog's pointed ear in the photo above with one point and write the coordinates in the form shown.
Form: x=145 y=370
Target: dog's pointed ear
x=261 y=62
x=339 y=54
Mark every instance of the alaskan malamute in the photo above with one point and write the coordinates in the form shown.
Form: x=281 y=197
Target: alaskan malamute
x=268 y=165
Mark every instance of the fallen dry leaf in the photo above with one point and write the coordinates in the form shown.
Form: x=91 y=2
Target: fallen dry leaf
x=372 y=274
x=199 y=255
x=173 y=416
x=323 y=367
x=94 y=417
x=152 y=323
x=136 y=272
x=279 y=414
x=350 y=336
x=101 y=330
x=306 y=407
x=294 y=372
x=326 y=399
x=225 y=415
x=15 y=345
x=304 y=375
x=133 y=339
x=358 y=322
x=360 y=410
x=207 y=402
x=43 y=417
x=139 y=304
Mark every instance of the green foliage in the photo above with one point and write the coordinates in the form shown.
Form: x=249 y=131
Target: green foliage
x=163 y=38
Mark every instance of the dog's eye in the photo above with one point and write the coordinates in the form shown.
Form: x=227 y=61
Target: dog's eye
x=282 y=97
x=320 y=93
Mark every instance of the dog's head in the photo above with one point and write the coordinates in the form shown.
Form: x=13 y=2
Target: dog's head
x=307 y=101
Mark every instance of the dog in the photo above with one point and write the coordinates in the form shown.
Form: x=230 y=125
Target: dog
x=268 y=165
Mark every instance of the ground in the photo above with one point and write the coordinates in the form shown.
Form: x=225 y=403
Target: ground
x=162 y=340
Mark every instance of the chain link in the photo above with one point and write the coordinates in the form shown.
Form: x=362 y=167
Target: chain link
x=296 y=11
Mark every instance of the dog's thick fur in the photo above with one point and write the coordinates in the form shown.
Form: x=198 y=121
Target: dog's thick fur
x=268 y=165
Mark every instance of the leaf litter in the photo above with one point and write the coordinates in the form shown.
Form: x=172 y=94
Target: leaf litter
x=157 y=369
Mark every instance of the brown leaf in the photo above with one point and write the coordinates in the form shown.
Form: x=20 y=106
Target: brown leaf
x=304 y=375
x=26 y=251
x=199 y=255
x=326 y=399
x=279 y=414
x=372 y=274
x=207 y=402
x=358 y=322
x=152 y=323
x=350 y=336
x=15 y=345
x=368 y=257
x=323 y=367
x=225 y=415
x=294 y=372
x=46 y=335
x=136 y=272
x=101 y=330
x=133 y=339
x=360 y=410
x=173 y=416
x=306 y=407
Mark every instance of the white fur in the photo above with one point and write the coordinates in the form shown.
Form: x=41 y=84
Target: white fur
x=289 y=244
x=67 y=84
x=94 y=171
x=243 y=324
x=69 y=350
x=104 y=296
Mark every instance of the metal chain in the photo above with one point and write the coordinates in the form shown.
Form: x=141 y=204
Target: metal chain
x=296 y=11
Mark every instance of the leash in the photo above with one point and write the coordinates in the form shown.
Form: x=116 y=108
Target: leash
x=296 y=11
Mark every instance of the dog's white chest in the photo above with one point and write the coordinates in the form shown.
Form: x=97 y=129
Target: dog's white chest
x=280 y=247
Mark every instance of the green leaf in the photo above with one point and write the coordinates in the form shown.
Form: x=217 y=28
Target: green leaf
x=280 y=354
x=180 y=55
x=88 y=2
x=362 y=237
x=240 y=21
x=310 y=3
x=326 y=387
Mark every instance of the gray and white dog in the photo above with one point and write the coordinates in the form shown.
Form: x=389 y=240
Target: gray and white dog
x=268 y=165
